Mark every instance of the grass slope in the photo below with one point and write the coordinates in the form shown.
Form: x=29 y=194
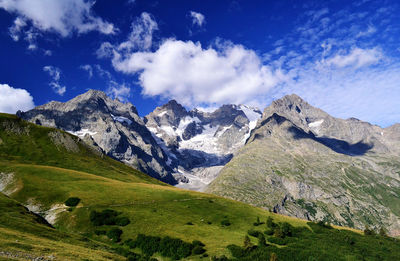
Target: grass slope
x=152 y=207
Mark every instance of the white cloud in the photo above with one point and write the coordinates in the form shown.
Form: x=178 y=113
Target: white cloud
x=119 y=91
x=357 y=58
x=370 y=30
x=368 y=93
x=88 y=68
x=13 y=99
x=62 y=16
x=55 y=74
x=16 y=28
x=194 y=76
x=197 y=18
x=140 y=38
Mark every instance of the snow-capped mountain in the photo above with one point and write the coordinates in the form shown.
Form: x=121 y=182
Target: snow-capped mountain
x=113 y=126
x=170 y=144
x=199 y=143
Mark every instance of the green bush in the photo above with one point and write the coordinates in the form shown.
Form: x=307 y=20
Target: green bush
x=277 y=240
x=225 y=223
x=253 y=233
x=270 y=223
x=106 y=217
x=122 y=221
x=115 y=234
x=72 y=202
x=198 y=250
x=286 y=229
x=100 y=232
x=269 y=232
x=168 y=247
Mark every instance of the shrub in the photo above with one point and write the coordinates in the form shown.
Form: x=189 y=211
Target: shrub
x=261 y=240
x=278 y=232
x=115 y=234
x=122 y=221
x=277 y=240
x=130 y=243
x=269 y=232
x=100 y=232
x=106 y=217
x=221 y=258
x=270 y=222
x=198 y=250
x=286 y=229
x=253 y=233
x=225 y=223
x=168 y=247
x=72 y=202
x=237 y=251
x=257 y=223
x=247 y=242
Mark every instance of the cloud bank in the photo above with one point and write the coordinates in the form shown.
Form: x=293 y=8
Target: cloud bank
x=13 y=99
x=195 y=75
x=63 y=17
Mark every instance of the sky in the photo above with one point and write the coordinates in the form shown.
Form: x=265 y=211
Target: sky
x=340 y=56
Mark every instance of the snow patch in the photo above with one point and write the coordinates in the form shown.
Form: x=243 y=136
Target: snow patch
x=315 y=124
x=82 y=132
x=251 y=113
x=162 y=114
x=206 y=141
x=121 y=119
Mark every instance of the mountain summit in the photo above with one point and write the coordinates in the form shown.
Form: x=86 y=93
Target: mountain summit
x=199 y=143
x=114 y=126
x=301 y=161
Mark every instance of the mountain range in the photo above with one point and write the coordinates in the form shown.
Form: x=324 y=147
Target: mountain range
x=292 y=159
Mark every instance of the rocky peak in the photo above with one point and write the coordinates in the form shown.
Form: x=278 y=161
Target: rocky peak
x=170 y=113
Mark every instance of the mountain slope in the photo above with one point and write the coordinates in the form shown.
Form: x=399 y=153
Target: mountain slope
x=199 y=144
x=113 y=126
x=26 y=236
x=151 y=207
x=302 y=162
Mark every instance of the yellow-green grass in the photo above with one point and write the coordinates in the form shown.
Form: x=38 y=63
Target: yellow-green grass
x=153 y=209
x=22 y=235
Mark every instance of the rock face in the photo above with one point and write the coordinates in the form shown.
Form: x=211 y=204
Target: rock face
x=300 y=161
x=113 y=126
x=199 y=143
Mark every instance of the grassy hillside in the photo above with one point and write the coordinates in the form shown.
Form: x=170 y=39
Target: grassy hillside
x=138 y=205
x=305 y=178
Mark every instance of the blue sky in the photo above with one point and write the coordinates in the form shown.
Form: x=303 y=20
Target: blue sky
x=341 y=56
